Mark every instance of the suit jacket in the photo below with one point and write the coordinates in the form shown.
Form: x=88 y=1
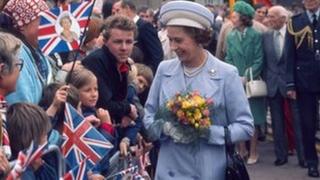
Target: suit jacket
x=275 y=68
x=303 y=68
x=148 y=42
x=218 y=81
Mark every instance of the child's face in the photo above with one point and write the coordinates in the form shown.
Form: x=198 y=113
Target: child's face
x=89 y=94
x=142 y=84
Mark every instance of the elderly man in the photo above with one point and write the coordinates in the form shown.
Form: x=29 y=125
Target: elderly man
x=147 y=39
x=303 y=77
x=275 y=72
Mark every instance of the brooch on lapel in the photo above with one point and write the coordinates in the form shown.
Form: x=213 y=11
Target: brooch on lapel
x=212 y=72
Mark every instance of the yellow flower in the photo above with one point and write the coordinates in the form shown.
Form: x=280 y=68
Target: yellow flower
x=192 y=121
x=186 y=105
x=196 y=125
x=197 y=114
x=199 y=101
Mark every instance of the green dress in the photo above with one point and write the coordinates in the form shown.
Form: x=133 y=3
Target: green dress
x=244 y=50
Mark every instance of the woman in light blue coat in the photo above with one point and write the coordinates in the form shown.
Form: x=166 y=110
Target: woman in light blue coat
x=188 y=26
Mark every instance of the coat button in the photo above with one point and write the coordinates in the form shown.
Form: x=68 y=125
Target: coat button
x=316 y=41
x=171 y=174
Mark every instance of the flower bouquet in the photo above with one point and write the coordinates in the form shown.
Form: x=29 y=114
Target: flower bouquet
x=186 y=116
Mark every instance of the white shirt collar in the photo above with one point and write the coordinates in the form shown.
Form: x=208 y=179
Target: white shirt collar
x=311 y=13
x=283 y=30
x=136 y=18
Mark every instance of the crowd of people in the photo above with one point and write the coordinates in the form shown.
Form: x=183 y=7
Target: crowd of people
x=133 y=60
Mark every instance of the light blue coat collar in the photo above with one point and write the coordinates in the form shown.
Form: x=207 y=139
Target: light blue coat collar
x=210 y=67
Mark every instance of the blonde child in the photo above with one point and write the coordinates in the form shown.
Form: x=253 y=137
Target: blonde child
x=86 y=82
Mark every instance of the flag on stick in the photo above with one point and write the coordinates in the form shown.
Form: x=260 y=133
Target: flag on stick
x=62 y=28
x=82 y=140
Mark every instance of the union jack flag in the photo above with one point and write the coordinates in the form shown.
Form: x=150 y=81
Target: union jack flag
x=4 y=136
x=25 y=159
x=131 y=170
x=78 y=173
x=51 y=37
x=82 y=140
x=128 y=173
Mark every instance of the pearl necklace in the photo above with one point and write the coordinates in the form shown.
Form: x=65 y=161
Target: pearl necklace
x=193 y=71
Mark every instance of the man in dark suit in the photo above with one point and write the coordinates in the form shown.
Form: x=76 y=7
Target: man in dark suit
x=275 y=70
x=147 y=40
x=303 y=74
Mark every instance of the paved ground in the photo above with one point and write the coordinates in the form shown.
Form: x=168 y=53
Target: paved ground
x=265 y=170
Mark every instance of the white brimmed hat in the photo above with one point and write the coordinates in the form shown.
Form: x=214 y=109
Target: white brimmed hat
x=186 y=13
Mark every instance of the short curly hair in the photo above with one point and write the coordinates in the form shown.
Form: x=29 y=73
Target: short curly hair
x=246 y=20
x=201 y=36
x=118 y=22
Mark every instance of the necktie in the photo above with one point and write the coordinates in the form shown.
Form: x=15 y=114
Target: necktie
x=277 y=39
x=315 y=21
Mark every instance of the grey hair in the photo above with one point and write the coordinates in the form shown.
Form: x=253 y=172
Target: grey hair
x=281 y=11
x=9 y=48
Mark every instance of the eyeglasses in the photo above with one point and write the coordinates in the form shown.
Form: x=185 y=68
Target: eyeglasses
x=19 y=64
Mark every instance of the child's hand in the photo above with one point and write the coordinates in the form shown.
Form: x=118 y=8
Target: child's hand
x=93 y=120
x=60 y=96
x=124 y=146
x=104 y=116
x=133 y=112
x=126 y=121
x=92 y=176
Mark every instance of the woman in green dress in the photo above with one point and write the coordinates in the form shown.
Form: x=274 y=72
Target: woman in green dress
x=244 y=50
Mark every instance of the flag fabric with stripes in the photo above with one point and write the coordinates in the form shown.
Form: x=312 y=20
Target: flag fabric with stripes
x=62 y=28
x=25 y=158
x=4 y=136
x=82 y=140
x=78 y=173
x=130 y=169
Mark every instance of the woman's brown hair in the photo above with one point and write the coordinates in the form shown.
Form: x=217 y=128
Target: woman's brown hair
x=201 y=36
